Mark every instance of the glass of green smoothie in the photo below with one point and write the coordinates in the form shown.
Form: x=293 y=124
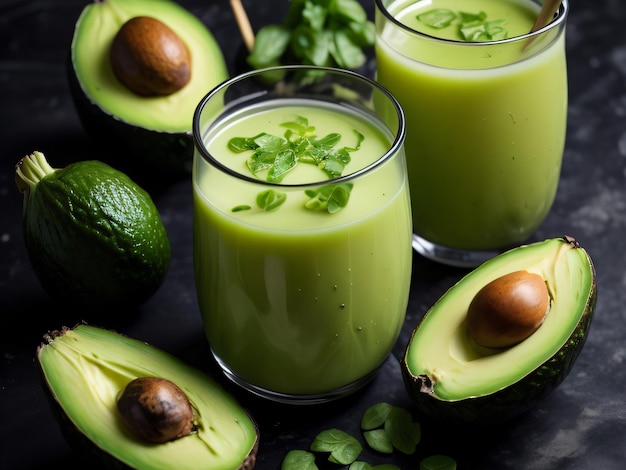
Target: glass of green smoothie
x=486 y=109
x=302 y=230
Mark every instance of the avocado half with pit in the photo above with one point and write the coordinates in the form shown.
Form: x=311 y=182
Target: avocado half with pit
x=452 y=377
x=139 y=133
x=86 y=369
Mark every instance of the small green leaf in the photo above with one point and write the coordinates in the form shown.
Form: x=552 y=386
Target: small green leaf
x=375 y=416
x=438 y=462
x=270 y=200
x=344 y=448
x=346 y=52
x=270 y=44
x=285 y=161
x=314 y=15
x=331 y=198
x=242 y=207
x=241 y=144
x=438 y=18
x=299 y=460
x=378 y=439
x=358 y=465
x=403 y=432
x=349 y=11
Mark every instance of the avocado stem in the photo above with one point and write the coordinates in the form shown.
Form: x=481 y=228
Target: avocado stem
x=29 y=171
x=244 y=23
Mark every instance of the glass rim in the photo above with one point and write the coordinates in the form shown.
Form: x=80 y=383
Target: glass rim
x=560 y=18
x=392 y=149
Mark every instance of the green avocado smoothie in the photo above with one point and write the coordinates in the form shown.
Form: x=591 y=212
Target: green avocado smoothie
x=486 y=120
x=296 y=300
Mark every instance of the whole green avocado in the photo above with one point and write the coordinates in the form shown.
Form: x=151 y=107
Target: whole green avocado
x=94 y=238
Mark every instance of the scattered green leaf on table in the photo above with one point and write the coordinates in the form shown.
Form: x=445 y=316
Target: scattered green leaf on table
x=344 y=448
x=299 y=460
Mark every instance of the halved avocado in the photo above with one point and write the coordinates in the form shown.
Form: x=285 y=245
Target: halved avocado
x=450 y=377
x=85 y=369
x=151 y=133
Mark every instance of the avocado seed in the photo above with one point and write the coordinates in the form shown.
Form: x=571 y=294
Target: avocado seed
x=149 y=58
x=508 y=310
x=156 y=409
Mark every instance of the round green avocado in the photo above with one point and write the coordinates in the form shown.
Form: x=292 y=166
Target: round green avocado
x=95 y=239
x=148 y=134
x=84 y=370
x=450 y=377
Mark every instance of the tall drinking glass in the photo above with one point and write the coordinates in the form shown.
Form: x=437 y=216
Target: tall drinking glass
x=302 y=230
x=486 y=120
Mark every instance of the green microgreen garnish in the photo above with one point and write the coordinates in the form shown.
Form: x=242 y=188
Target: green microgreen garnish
x=279 y=155
x=472 y=27
x=316 y=32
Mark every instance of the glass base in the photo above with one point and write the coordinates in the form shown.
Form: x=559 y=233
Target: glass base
x=298 y=399
x=452 y=256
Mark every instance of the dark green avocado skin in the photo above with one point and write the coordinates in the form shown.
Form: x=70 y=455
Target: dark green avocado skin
x=512 y=401
x=145 y=155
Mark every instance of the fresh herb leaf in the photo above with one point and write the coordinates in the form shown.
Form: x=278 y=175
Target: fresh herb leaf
x=330 y=198
x=270 y=200
x=375 y=416
x=379 y=440
x=438 y=462
x=270 y=44
x=403 y=432
x=316 y=32
x=358 y=465
x=438 y=18
x=473 y=27
x=299 y=460
x=397 y=424
x=344 y=448
x=242 y=207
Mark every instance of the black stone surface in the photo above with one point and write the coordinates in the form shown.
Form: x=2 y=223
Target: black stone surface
x=582 y=425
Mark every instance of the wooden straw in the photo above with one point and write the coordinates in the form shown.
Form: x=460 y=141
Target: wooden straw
x=244 y=23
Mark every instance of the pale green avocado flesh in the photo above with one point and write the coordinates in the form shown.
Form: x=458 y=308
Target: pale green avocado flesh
x=441 y=350
x=93 y=34
x=86 y=368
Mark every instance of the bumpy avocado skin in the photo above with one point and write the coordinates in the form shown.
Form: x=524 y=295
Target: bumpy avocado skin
x=115 y=117
x=96 y=450
x=95 y=239
x=519 y=396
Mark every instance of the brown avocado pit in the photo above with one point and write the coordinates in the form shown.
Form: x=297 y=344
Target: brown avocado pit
x=149 y=58
x=156 y=409
x=508 y=309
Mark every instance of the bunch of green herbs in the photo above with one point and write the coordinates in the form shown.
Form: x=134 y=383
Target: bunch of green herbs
x=315 y=32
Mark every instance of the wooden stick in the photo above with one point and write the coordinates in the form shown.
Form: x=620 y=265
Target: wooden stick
x=546 y=15
x=244 y=23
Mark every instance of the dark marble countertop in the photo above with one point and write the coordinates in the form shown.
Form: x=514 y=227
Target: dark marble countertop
x=581 y=425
